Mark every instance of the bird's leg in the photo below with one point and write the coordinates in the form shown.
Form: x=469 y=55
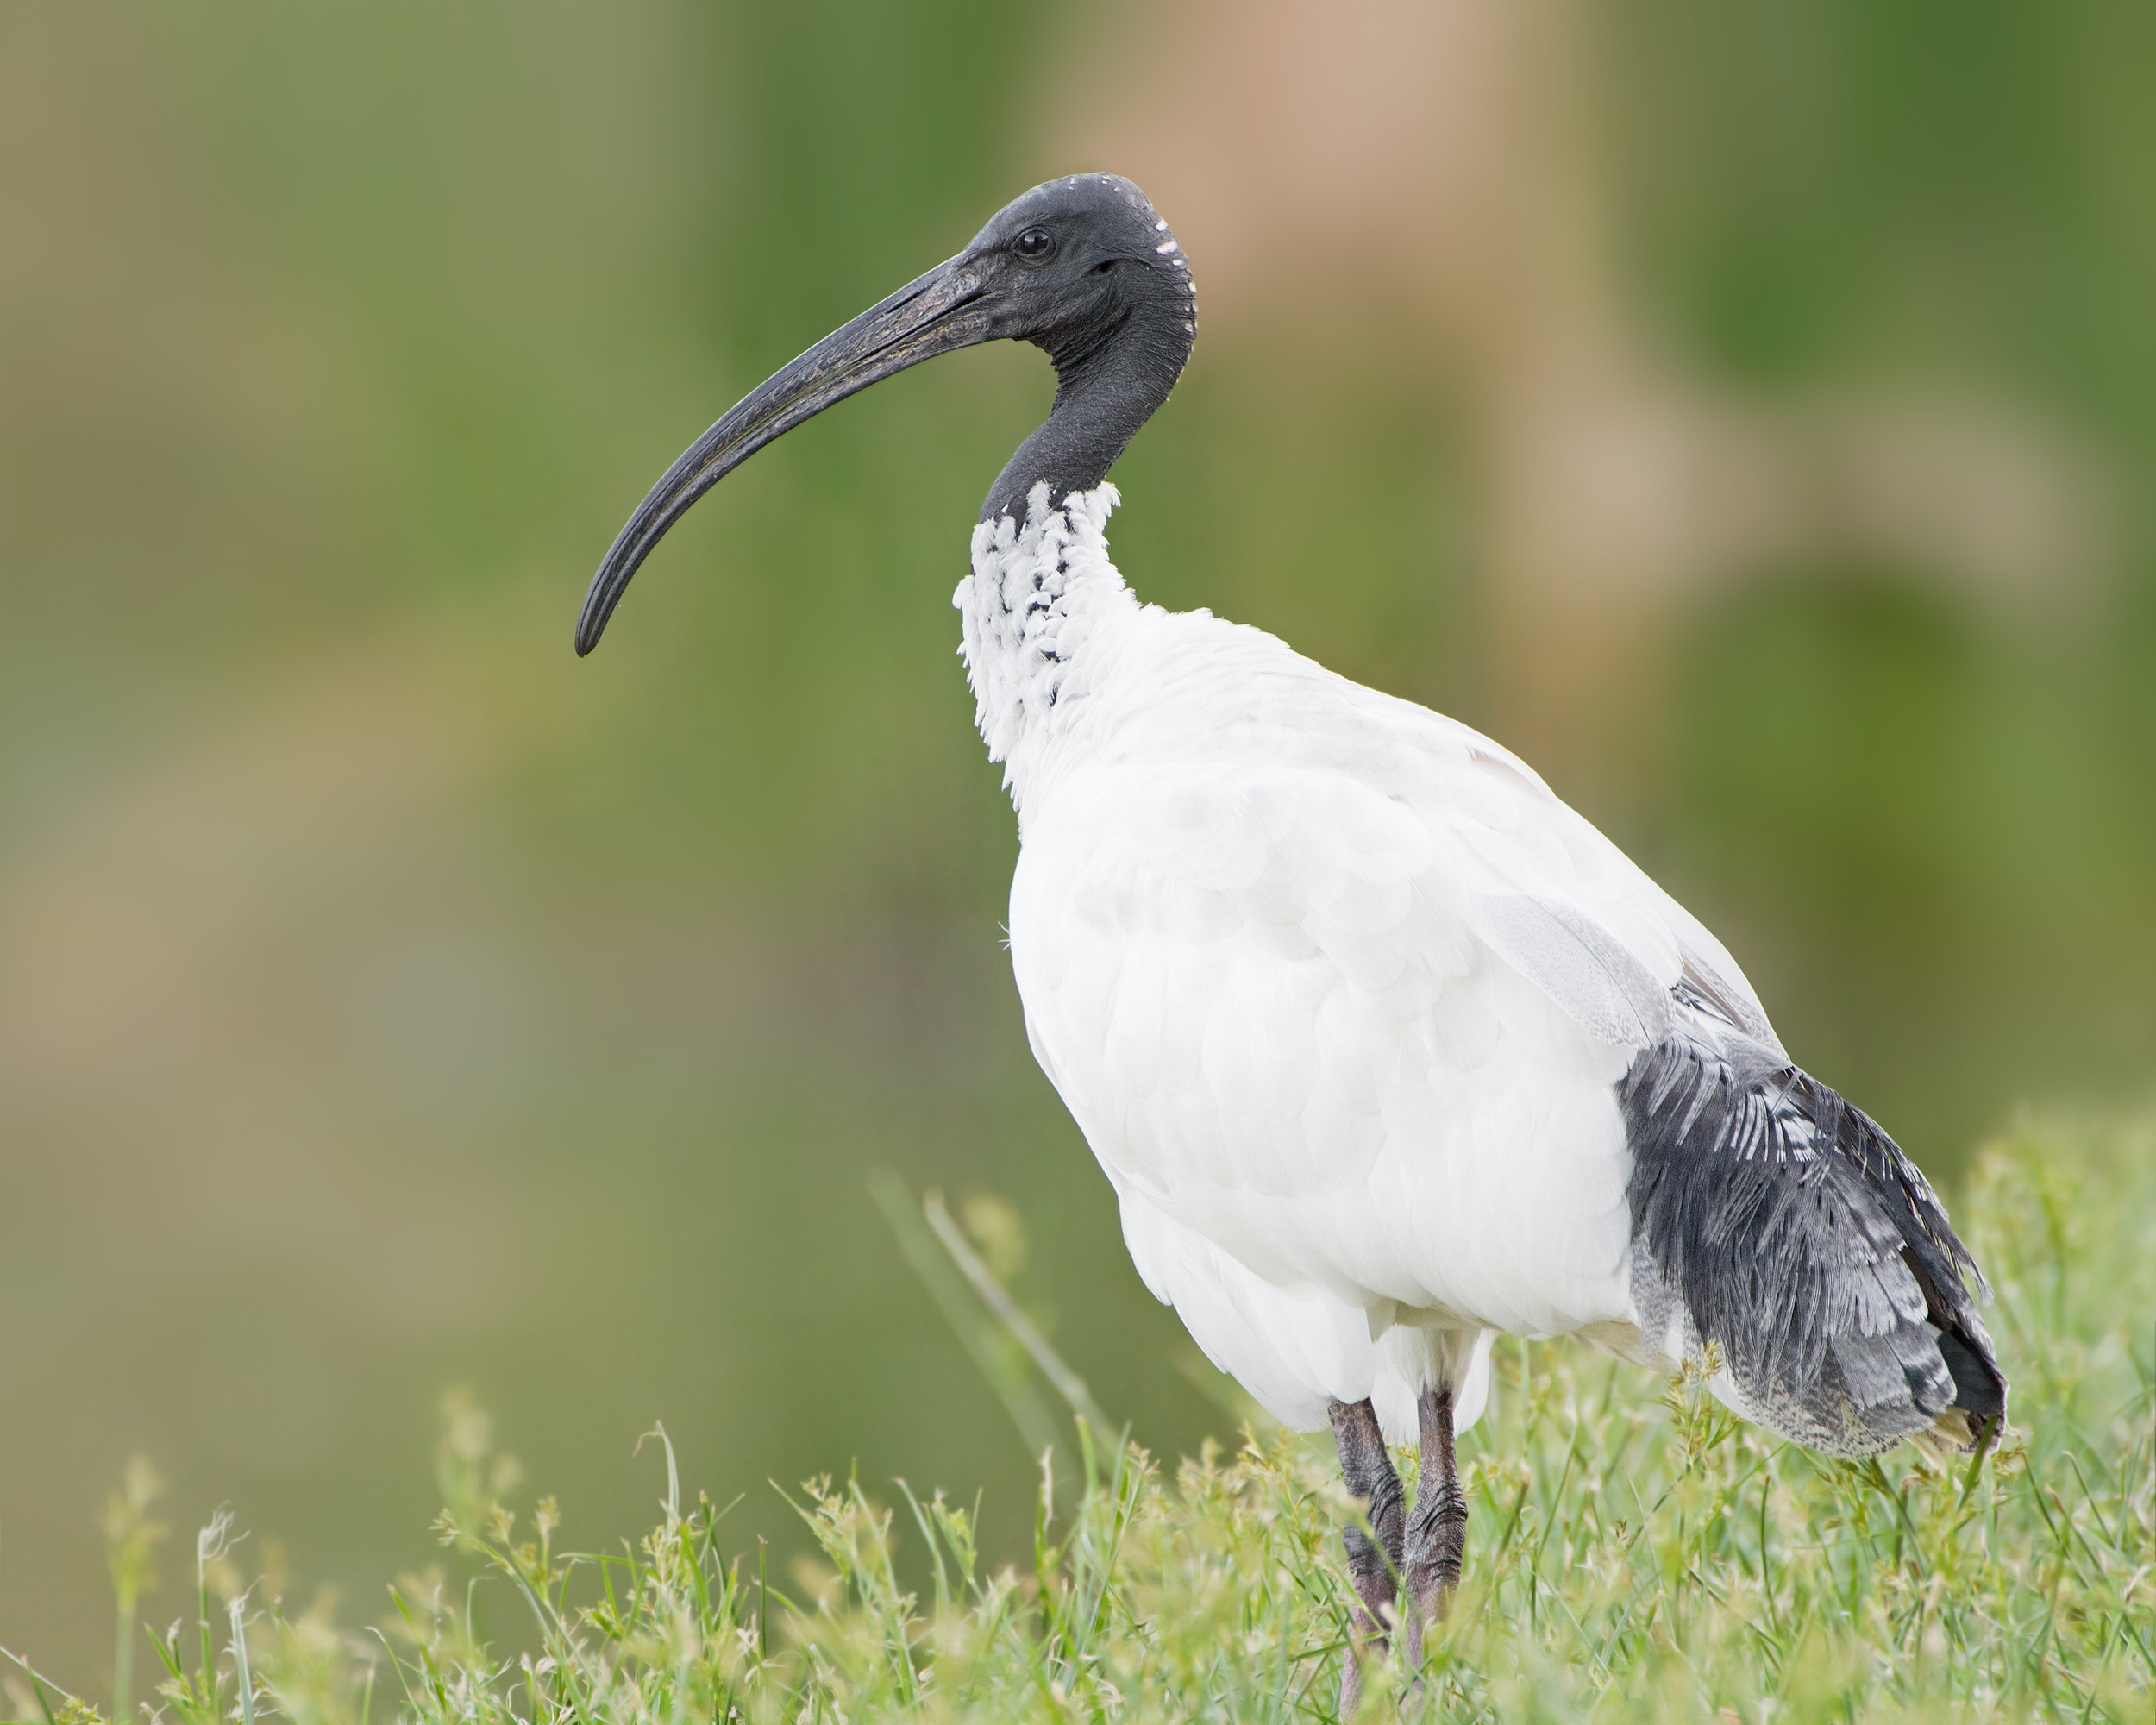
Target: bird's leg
x=1436 y=1531
x=1373 y=1564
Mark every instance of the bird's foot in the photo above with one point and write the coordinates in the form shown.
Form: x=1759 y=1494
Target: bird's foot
x=1369 y=1628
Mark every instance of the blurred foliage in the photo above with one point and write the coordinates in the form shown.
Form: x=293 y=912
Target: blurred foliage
x=387 y=999
x=1930 y=832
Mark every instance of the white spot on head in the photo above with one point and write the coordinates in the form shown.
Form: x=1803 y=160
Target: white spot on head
x=1161 y=226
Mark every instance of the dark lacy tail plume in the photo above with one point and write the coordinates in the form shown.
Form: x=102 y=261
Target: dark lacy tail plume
x=1774 y=1220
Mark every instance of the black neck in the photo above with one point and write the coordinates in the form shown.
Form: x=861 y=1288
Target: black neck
x=1111 y=373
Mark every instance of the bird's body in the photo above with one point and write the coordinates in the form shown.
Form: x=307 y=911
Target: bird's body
x=1343 y=999
x=1384 y=1049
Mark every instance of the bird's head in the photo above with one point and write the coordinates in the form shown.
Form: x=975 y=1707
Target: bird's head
x=1083 y=268
x=1072 y=263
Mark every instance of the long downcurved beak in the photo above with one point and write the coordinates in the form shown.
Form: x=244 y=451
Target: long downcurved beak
x=941 y=311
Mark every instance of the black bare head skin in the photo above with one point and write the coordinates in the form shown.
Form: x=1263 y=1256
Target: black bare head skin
x=1081 y=268
x=1087 y=270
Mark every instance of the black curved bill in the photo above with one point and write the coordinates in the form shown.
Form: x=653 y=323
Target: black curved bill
x=941 y=311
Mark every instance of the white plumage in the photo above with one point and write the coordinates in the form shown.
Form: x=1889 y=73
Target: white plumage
x=1304 y=962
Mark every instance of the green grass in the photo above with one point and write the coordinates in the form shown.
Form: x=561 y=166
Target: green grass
x=1630 y=1557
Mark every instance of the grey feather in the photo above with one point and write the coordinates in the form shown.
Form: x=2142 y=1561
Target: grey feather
x=1574 y=960
x=1774 y=1221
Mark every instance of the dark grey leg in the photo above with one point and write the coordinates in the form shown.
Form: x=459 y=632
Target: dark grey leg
x=1436 y=1531
x=1375 y=1566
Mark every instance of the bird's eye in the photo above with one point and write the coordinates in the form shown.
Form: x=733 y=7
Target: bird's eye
x=1034 y=242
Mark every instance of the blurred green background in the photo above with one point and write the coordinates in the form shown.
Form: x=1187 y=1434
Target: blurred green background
x=1746 y=411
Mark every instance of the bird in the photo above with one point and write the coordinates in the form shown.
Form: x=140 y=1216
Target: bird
x=1384 y=1051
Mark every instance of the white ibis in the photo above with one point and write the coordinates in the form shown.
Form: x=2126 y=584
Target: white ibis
x=1384 y=1049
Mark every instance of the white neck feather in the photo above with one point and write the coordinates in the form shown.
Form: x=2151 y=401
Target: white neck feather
x=1039 y=611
